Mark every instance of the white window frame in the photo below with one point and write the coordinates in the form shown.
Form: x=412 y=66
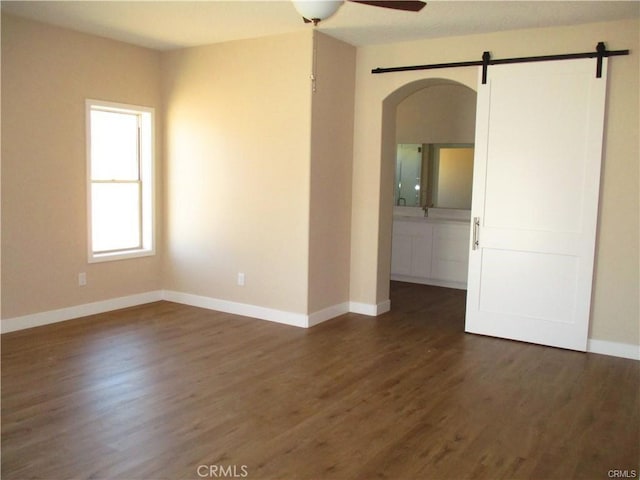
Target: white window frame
x=147 y=180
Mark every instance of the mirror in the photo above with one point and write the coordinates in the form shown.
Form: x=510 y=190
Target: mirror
x=434 y=175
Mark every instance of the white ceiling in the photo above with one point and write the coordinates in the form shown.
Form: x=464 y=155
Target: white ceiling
x=166 y=25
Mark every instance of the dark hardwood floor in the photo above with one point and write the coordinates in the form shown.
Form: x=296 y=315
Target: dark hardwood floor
x=166 y=391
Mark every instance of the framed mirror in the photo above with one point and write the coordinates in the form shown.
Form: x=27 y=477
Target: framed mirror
x=435 y=175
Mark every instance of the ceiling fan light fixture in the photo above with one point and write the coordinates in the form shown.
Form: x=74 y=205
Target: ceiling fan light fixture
x=317 y=10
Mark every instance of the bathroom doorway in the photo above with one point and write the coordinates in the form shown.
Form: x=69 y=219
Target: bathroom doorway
x=431 y=148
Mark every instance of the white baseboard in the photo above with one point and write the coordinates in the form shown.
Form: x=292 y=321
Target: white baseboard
x=280 y=316
x=53 y=316
x=370 y=309
x=615 y=349
x=327 y=314
x=236 y=308
x=7 y=325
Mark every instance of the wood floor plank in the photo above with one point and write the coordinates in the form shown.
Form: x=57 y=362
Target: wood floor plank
x=154 y=392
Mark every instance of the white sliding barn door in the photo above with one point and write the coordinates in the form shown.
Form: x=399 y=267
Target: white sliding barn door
x=535 y=194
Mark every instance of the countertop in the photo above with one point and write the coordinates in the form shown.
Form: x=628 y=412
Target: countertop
x=414 y=219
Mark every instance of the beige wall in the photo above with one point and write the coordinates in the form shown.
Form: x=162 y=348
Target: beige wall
x=615 y=309
x=331 y=160
x=47 y=73
x=442 y=113
x=240 y=195
x=238 y=127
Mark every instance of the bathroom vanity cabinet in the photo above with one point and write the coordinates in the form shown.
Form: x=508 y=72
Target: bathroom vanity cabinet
x=432 y=251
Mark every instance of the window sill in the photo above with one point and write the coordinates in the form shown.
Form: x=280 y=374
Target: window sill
x=123 y=255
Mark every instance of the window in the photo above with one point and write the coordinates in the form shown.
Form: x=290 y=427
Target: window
x=120 y=181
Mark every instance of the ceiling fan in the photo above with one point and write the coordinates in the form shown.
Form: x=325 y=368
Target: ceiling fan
x=314 y=11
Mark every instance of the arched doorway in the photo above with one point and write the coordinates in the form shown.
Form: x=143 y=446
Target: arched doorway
x=427 y=112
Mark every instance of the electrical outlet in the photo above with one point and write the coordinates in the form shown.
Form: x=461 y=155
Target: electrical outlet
x=241 y=279
x=82 y=279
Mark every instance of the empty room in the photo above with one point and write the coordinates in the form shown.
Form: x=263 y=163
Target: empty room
x=320 y=239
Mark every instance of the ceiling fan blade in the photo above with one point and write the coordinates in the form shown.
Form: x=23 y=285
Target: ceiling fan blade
x=407 y=5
